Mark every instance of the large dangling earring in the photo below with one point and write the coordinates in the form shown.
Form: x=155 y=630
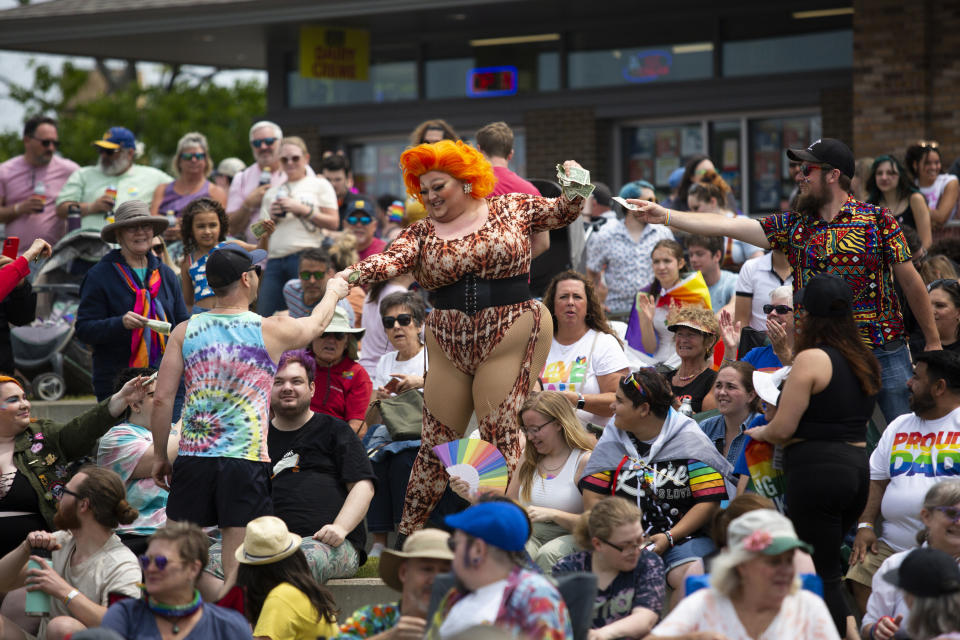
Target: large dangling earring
x=467 y=188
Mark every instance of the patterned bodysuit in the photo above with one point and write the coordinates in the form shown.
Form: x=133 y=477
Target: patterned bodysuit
x=499 y=249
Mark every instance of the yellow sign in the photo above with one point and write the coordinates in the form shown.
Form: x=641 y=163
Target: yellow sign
x=336 y=54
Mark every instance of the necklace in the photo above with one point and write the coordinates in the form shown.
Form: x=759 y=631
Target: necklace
x=690 y=377
x=555 y=469
x=172 y=612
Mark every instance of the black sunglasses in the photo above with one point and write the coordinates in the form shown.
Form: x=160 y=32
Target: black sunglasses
x=943 y=283
x=336 y=335
x=782 y=309
x=359 y=219
x=47 y=143
x=263 y=141
x=107 y=152
x=157 y=249
x=404 y=319
x=621 y=549
x=256 y=269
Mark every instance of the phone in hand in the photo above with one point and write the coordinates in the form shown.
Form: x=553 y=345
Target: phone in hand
x=10 y=247
x=393 y=385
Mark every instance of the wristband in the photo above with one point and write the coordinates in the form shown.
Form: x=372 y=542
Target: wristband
x=669 y=538
x=864 y=525
x=67 y=599
x=666 y=222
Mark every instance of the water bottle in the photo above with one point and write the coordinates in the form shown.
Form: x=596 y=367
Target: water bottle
x=283 y=191
x=38 y=602
x=74 y=217
x=171 y=219
x=40 y=190
x=686 y=407
x=265 y=175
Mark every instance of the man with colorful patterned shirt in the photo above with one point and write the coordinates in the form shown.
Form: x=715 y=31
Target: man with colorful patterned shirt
x=227 y=358
x=832 y=232
x=411 y=572
x=127 y=449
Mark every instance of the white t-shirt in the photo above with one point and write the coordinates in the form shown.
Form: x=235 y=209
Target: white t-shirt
x=389 y=364
x=886 y=599
x=802 y=616
x=295 y=234
x=756 y=280
x=478 y=607
x=573 y=367
x=913 y=454
x=934 y=191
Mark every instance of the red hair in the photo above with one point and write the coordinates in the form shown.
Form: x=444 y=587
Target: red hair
x=457 y=159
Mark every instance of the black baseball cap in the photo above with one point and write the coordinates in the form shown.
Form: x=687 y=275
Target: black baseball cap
x=826 y=296
x=228 y=263
x=926 y=573
x=829 y=151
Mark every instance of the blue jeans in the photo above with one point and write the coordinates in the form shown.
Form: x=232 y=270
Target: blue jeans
x=279 y=270
x=895 y=370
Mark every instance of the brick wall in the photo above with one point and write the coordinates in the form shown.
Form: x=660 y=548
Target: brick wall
x=836 y=114
x=555 y=135
x=906 y=83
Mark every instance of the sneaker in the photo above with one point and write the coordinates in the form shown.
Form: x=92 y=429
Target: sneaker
x=375 y=550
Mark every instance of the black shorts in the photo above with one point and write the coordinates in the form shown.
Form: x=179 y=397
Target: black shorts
x=227 y=492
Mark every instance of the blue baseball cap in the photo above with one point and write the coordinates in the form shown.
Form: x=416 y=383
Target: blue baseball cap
x=631 y=190
x=501 y=524
x=229 y=262
x=116 y=138
x=675 y=178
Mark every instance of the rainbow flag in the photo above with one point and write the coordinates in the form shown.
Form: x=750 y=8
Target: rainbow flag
x=690 y=290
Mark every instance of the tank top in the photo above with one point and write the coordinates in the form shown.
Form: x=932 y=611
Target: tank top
x=840 y=412
x=559 y=492
x=198 y=274
x=934 y=191
x=228 y=375
x=173 y=201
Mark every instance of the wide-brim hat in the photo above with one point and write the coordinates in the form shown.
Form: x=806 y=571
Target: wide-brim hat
x=768 y=384
x=690 y=324
x=425 y=543
x=132 y=213
x=267 y=540
x=340 y=323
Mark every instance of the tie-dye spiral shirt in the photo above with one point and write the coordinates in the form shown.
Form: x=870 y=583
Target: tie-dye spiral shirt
x=228 y=375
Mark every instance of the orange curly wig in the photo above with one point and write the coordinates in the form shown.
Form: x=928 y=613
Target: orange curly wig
x=457 y=159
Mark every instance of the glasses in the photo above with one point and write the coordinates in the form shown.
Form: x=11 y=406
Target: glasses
x=198 y=155
x=157 y=249
x=945 y=283
x=160 y=562
x=256 y=269
x=47 y=143
x=952 y=513
x=64 y=491
x=290 y=159
x=626 y=546
x=107 y=152
x=534 y=430
x=403 y=319
x=263 y=142
x=316 y=275
x=359 y=220
x=336 y=335
x=781 y=309
x=807 y=169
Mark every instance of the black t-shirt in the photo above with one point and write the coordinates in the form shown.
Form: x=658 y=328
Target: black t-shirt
x=667 y=491
x=312 y=467
x=697 y=389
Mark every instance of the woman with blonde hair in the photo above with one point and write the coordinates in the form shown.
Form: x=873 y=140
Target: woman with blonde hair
x=631 y=586
x=545 y=483
x=487 y=337
x=191 y=164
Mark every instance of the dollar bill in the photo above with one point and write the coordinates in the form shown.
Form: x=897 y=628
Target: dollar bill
x=578 y=175
x=258 y=228
x=159 y=326
x=626 y=205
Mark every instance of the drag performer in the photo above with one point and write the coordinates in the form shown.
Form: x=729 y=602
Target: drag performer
x=487 y=339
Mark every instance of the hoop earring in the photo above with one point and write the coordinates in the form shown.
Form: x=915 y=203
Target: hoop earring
x=467 y=188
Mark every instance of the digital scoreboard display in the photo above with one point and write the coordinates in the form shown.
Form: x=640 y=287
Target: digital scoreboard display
x=490 y=82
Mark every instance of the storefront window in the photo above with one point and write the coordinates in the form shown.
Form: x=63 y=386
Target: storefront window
x=771 y=185
x=725 y=153
x=389 y=82
x=807 y=52
x=651 y=153
x=376 y=167
x=611 y=67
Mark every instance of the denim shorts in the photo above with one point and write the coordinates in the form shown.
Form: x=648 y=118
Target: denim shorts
x=692 y=549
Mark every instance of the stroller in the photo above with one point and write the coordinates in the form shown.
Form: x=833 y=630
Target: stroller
x=46 y=351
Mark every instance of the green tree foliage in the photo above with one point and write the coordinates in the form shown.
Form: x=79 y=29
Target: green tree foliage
x=157 y=115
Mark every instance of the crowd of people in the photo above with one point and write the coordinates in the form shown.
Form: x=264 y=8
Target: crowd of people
x=713 y=424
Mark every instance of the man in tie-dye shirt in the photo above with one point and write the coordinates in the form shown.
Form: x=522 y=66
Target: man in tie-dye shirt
x=227 y=358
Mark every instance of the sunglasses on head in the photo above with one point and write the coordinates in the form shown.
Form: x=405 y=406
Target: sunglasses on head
x=364 y=219
x=782 y=309
x=632 y=381
x=928 y=144
x=946 y=283
x=402 y=319
x=336 y=335
x=316 y=275
x=197 y=155
x=48 y=143
x=160 y=562
x=263 y=141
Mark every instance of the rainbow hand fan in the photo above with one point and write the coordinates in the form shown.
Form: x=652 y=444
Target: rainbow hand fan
x=476 y=461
